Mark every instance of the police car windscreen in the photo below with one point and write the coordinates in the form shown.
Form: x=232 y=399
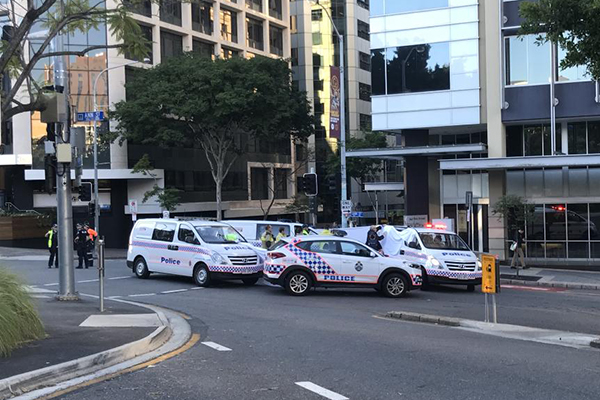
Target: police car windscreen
x=442 y=241
x=219 y=234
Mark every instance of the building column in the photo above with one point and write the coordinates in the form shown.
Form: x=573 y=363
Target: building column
x=416 y=174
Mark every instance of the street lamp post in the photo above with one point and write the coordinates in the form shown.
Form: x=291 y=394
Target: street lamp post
x=344 y=186
x=96 y=196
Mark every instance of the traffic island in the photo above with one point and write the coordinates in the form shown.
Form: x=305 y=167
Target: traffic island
x=82 y=345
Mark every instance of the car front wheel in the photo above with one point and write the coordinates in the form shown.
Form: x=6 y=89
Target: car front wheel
x=202 y=276
x=395 y=286
x=141 y=269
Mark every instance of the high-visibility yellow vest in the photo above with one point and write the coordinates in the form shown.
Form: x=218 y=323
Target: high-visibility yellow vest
x=50 y=235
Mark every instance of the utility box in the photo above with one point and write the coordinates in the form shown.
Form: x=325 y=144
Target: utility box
x=63 y=153
x=78 y=138
x=56 y=108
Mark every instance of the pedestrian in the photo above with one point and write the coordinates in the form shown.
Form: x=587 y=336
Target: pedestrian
x=267 y=237
x=517 y=248
x=52 y=236
x=374 y=239
x=81 y=242
x=91 y=243
x=281 y=234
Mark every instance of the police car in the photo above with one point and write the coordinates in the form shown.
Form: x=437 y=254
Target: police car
x=303 y=262
x=204 y=250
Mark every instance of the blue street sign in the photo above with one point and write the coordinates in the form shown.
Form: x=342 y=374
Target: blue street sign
x=90 y=116
x=358 y=214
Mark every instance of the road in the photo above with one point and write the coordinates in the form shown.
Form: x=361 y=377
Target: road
x=332 y=343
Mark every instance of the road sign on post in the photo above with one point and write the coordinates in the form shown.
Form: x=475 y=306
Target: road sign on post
x=490 y=284
x=346 y=208
x=133 y=209
x=90 y=116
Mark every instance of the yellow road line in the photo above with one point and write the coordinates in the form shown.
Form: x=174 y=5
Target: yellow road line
x=193 y=340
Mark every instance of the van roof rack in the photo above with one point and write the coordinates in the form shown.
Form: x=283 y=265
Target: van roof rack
x=195 y=219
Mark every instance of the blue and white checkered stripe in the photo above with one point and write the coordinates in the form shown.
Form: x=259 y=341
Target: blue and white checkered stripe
x=193 y=249
x=151 y=245
x=275 y=268
x=235 y=270
x=454 y=274
x=312 y=260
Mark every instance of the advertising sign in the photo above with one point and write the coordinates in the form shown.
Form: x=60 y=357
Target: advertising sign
x=336 y=104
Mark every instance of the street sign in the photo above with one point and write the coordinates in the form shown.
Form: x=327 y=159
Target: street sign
x=346 y=207
x=166 y=214
x=357 y=214
x=489 y=274
x=90 y=116
x=415 y=220
x=133 y=208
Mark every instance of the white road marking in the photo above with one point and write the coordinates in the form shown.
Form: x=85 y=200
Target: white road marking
x=120 y=277
x=174 y=291
x=51 y=284
x=321 y=391
x=40 y=296
x=142 y=295
x=88 y=281
x=216 y=346
x=196 y=288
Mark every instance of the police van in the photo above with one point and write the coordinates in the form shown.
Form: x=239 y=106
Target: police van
x=253 y=230
x=301 y=263
x=204 y=250
x=443 y=255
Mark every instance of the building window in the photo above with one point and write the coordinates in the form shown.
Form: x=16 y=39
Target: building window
x=380 y=7
x=577 y=73
x=139 y=7
x=275 y=9
x=228 y=53
x=293 y=24
x=364 y=4
x=364 y=61
x=316 y=15
x=526 y=62
x=319 y=108
x=364 y=91
x=171 y=45
x=577 y=134
x=276 y=40
x=255 y=33
x=365 y=122
x=170 y=11
x=259 y=185
x=531 y=140
x=202 y=17
x=363 y=30
x=378 y=71
x=295 y=57
x=411 y=69
x=317 y=60
x=254 y=5
x=317 y=38
x=147 y=34
x=229 y=25
x=281 y=183
x=318 y=85
x=203 y=48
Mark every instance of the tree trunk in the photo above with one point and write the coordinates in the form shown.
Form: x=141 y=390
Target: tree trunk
x=219 y=183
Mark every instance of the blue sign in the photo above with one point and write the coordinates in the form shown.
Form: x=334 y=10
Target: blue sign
x=90 y=116
x=358 y=214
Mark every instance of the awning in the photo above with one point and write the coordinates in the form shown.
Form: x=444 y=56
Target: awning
x=466 y=164
x=397 y=153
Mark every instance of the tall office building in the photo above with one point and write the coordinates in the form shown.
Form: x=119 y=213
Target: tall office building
x=472 y=103
x=220 y=28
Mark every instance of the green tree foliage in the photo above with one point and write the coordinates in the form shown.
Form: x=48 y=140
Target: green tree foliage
x=514 y=210
x=77 y=16
x=19 y=321
x=168 y=198
x=573 y=24
x=192 y=101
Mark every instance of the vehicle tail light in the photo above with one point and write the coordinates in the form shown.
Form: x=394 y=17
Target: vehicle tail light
x=275 y=255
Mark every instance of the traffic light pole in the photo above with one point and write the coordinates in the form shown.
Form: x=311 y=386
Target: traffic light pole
x=66 y=288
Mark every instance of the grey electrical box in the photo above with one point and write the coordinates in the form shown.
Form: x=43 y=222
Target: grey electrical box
x=63 y=153
x=56 y=108
x=78 y=138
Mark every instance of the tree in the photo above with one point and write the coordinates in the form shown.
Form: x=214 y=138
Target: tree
x=168 y=198
x=514 y=210
x=214 y=105
x=573 y=24
x=17 y=58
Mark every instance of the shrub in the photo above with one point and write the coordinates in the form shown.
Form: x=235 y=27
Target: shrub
x=19 y=321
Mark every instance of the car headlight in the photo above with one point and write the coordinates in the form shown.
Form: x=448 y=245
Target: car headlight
x=219 y=259
x=479 y=265
x=433 y=262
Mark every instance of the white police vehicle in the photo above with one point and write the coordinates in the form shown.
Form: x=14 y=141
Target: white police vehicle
x=204 y=250
x=443 y=255
x=303 y=262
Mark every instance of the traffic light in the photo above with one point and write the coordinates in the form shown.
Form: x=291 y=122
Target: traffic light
x=51 y=132
x=310 y=184
x=50 y=173
x=91 y=209
x=85 y=191
x=332 y=183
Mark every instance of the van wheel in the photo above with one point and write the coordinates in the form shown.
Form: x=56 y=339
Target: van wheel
x=298 y=283
x=250 y=281
x=141 y=269
x=395 y=285
x=202 y=276
x=470 y=288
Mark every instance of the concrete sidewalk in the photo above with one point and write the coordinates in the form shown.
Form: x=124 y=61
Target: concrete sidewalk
x=17 y=253
x=570 y=279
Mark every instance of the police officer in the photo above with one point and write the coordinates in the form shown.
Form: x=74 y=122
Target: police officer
x=373 y=238
x=81 y=245
x=267 y=237
x=93 y=235
x=305 y=230
x=281 y=234
x=52 y=236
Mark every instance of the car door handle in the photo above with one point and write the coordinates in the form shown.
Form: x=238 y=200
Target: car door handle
x=401 y=252
x=173 y=247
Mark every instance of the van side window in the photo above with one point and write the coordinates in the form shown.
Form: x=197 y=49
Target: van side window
x=260 y=229
x=164 y=232
x=185 y=234
x=143 y=230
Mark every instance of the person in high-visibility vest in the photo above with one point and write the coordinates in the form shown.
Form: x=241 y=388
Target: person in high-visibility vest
x=280 y=235
x=267 y=237
x=52 y=236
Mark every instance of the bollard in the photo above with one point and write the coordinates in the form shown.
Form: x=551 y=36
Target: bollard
x=101 y=272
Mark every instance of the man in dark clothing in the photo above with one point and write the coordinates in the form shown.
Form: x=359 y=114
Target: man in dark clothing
x=81 y=244
x=519 y=240
x=52 y=236
x=373 y=238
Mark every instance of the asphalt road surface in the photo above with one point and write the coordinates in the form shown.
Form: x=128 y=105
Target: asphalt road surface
x=259 y=343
